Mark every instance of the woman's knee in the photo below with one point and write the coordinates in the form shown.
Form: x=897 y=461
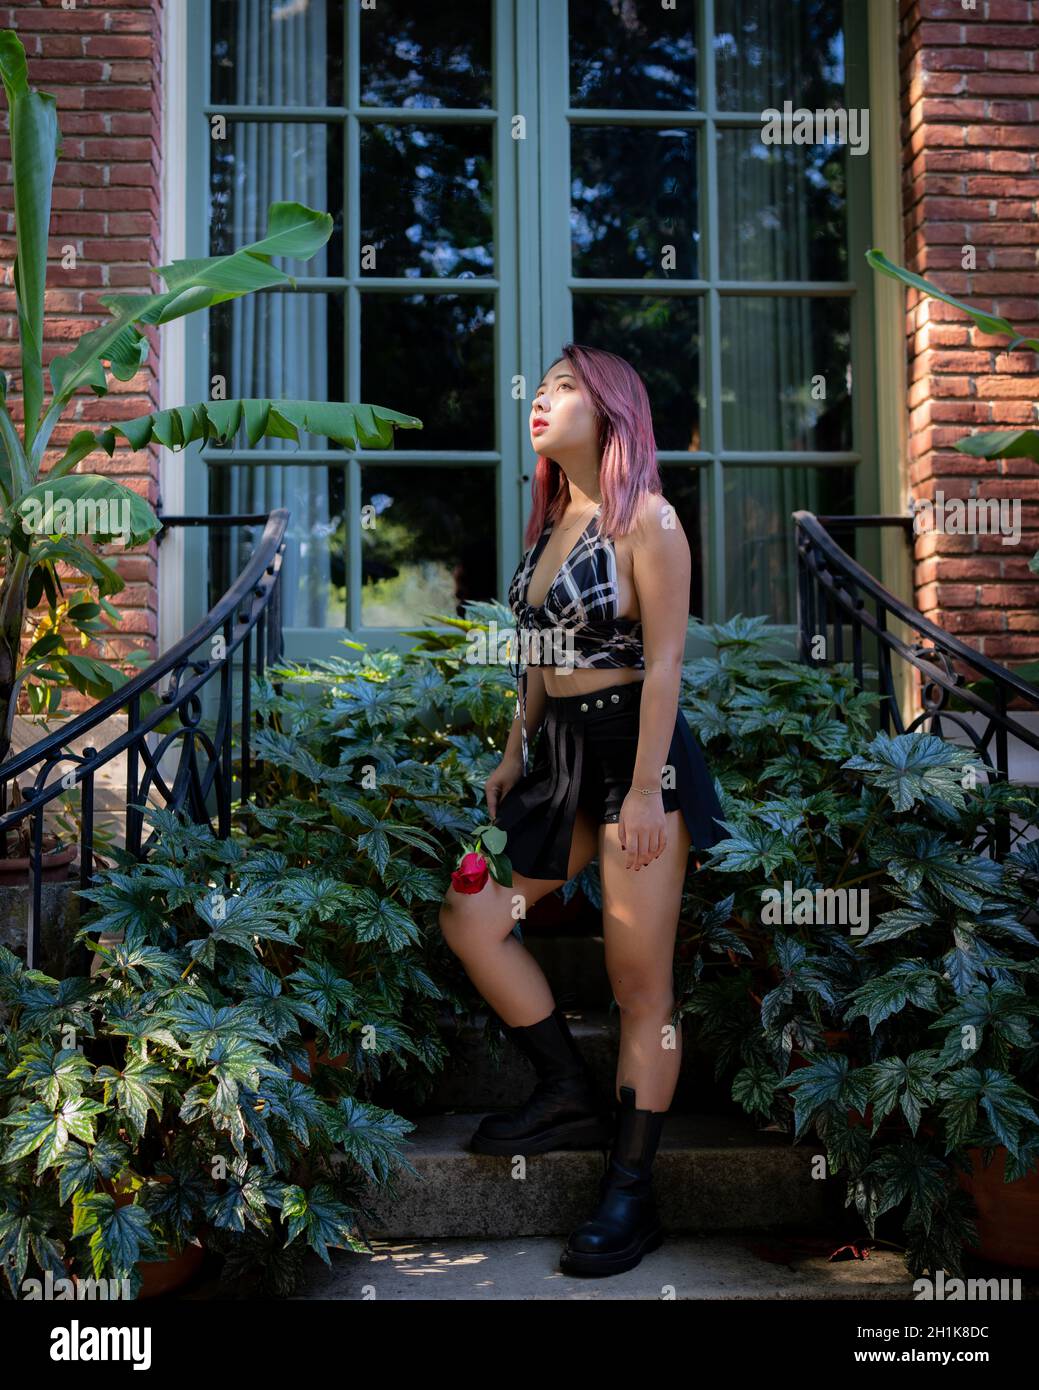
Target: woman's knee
x=643 y=994
x=464 y=917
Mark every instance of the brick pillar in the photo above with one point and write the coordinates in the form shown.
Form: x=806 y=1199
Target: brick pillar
x=970 y=101
x=103 y=66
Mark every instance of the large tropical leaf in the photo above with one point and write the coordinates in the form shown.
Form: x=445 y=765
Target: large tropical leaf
x=988 y=323
x=35 y=142
x=1001 y=444
x=85 y=504
x=219 y=422
x=292 y=230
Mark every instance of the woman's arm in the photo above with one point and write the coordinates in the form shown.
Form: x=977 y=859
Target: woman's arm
x=661 y=568
x=535 y=711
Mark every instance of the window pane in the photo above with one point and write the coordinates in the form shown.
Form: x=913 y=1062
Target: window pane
x=427 y=200
x=432 y=356
x=782 y=210
x=771 y=51
x=661 y=340
x=427 y=544
x=633 y=195
x=684 y=488
x=786 y=373
x=269 y=53
x=263 y=163
x=426 y=55
x=279 y=345
x=760 y=555
x=620 y=58
x=314 y=567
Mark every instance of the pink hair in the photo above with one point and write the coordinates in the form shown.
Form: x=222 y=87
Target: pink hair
x=628 y=470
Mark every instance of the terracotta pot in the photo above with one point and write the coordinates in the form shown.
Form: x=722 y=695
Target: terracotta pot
x=163 y=1276
x=1008 y=1212
x=56 y=867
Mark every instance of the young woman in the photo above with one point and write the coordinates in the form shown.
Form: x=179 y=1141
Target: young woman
x=601 y=601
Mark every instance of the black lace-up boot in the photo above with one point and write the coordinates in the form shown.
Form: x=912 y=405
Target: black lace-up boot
x=625 y=1224
x=565 y=1109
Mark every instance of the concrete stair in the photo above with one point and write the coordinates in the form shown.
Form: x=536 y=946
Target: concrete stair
x=685 y=1267
x=476 y=1081
x=712 y=1173
x=745 y=1216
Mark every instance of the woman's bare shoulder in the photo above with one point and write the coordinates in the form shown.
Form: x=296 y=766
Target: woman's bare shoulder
x=657 y=520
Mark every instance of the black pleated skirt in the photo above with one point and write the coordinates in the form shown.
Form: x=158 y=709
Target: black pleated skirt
x=585 y=756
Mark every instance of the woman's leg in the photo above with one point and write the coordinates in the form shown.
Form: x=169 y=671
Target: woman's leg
x=640 y=919
x=478 y=929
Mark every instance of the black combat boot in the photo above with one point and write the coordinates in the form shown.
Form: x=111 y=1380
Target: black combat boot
x=625 y=1224
x=564 y=1111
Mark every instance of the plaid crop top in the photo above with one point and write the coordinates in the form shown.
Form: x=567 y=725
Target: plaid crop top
x=581 y=605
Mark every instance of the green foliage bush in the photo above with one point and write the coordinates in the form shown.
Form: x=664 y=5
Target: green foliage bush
x=924 y=1026
x=184 y=1066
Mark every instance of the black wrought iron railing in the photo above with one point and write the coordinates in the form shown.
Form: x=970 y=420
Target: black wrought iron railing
x=175 y=750
x=845 y=614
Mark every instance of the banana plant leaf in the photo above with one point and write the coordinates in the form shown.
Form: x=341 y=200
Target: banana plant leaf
x=1001 y=444
x=988 y=323
x=293 y=230
x=83 y=504
x=220 y=421
x=35 y=143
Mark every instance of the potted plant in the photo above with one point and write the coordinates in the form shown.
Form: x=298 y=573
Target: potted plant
x=915 y=1027
x=152 y=1105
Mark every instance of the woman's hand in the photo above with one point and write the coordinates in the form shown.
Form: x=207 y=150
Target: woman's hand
x=502 y=779
x=643 y=829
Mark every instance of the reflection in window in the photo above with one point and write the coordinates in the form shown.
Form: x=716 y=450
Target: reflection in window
x=660 y=337
x=426 y=55
x=314 y=565
x=426 y=200
x=431 y=356
x=427 y=543
x=760 y=558
x=684 y=488
x=273 y=53
x=279 y=344
x=633 y=56
x=782 y=209
x=633 y=193
x=786 y=373
x=771 y=51
x=258 y=164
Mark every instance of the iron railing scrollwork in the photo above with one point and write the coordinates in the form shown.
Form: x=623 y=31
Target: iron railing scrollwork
x=172 y=752
x=959 y=687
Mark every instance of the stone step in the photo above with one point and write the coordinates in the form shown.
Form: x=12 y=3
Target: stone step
x=722 y=1268
x=712 y=1173
x=474 y=1080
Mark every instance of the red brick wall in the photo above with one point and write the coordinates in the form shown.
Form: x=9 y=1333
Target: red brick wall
x=102 y=63
x=970 y=108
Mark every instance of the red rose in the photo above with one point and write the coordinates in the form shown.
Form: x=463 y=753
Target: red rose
x=471 y=874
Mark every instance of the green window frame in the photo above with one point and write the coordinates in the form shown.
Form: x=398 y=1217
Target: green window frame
x=534 y=289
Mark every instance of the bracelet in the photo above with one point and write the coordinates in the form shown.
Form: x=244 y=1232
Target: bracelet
x=649 y=791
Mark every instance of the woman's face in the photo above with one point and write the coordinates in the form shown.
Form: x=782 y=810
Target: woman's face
x=562 y=418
